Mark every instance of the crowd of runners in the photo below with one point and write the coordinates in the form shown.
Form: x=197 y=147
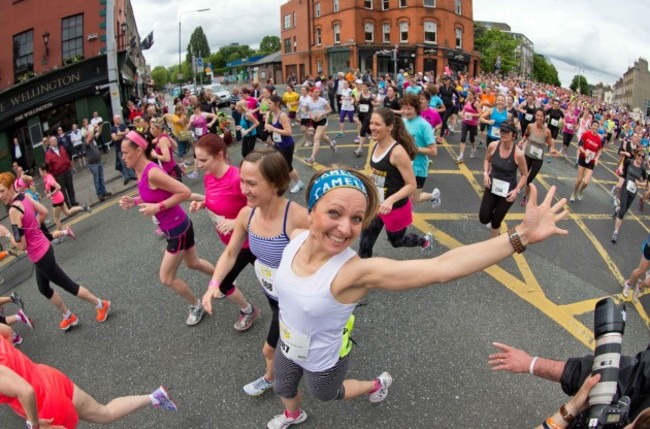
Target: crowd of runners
x=301 y=249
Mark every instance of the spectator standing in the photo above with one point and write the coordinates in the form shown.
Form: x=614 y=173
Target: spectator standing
x=76 y=137
x=64 y=140
x=59 y=165
x=96 y=121
x=95 y=166
x=17 y=154
x=118 y=131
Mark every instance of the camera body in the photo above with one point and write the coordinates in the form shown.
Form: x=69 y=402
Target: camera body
x=604 y=411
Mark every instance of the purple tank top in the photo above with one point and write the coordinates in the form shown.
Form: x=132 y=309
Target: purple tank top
x=169 y=165
x=37 y=243
x=168 y=219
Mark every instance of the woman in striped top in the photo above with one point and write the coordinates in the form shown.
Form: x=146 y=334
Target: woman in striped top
x=266 y=222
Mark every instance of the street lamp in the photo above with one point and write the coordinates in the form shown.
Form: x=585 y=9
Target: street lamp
x=180 y=14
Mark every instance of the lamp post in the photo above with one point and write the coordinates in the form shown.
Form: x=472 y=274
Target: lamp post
x=180 y=14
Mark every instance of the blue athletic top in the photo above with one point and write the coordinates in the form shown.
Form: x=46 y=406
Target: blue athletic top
x=268 y=250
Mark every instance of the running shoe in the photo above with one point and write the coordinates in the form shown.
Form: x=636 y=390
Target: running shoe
x=159 y=232
x=69 y=322
x=385 y=381
x=472 y=154
x=196 y=315
x=69 y=232
x=307 y=143
x=257 y=387
x=356 y=140
x=428 y=242
x=281 y=421
x=339 y=135
x=24 y=319
x=436 y=201
x=524 y=200
x=580 y=195
x=14 y=252
x=626 y=289
x=193 y=175
x=102 y=313
x=16 y=339
x=572 y=198
x=17 y=300
x=309 y=161
x=297 y=187
x=162 y=400
x=612 y=192
x=358 y=153
x=615 y=237
x=59 y=240
x=333 y=145
x=245 y=320
x=459 y=160
x=85 y=207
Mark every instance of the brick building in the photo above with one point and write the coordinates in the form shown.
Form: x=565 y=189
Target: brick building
x=633 y=88
x=334 y=35
x=57 y=71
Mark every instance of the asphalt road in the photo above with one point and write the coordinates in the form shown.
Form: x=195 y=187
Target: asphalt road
x=434 y=341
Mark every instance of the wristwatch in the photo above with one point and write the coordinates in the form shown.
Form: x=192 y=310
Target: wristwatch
x=566 y=415
x=29 y=425
x=515 y=240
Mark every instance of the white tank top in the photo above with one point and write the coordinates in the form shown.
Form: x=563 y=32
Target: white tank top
x=311 y=320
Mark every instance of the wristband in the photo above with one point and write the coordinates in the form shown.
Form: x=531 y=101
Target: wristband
x=161 y=207
x=137 y=201
x=29 y=425
x=213 y=284
x=549 y=423
x=566 y=415
x=531 y=368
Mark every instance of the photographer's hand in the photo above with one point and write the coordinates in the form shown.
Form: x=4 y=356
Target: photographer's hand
x=509 y=359
x=575 y=406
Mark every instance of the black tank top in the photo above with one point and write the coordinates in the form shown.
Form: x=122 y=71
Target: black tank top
x=504 y=169
x=386 y=176
x=365 y=101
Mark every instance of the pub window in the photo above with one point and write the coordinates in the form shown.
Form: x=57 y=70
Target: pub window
x=403 y=32
x=72 y=37
x=369 y=32
x=386 y=32
x=337 y=33
x=367 y=4
x=23 y=55
x=430 y=3
x=336 y=5
x=459 y=9
x=459 y=38
x=318 y=36
x=430 y=32
x=287 y=45
x=317 y=9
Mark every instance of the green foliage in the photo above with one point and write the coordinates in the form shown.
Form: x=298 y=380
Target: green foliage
x=217 y=60
x=234 y=52
x=583 y=84
x=492 y=43
x=198 y=45
x=269 y=45
x=544 y=71
x=160 y=76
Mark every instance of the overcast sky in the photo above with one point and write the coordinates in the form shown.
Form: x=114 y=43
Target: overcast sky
x=601 y=37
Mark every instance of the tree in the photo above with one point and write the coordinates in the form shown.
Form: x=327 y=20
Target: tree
x=584 y=86
x=160 y=76
x=235 y=51
x=544 y=72
x=198 y=45
x=492 y=43
x=269 y=45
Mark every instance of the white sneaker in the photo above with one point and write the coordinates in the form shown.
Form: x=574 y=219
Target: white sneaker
x=572 y=198
x=385 y=380
x=436 y=201
x=626 y=289
x=257 y=387
x=297 y=187
x=196 y=315
x=283 y=422
x=193 y=175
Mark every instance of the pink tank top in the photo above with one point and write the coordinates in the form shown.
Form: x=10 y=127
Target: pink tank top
x=169 y=165
x=470 y=119
x=37 y=243
x=200 y=125
x=50 y=183
x=168 y=219
x=224 y=198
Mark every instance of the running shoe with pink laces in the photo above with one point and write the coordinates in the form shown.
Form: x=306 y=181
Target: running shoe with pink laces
x=161 y=399
x=69 y=232
x=24 y=319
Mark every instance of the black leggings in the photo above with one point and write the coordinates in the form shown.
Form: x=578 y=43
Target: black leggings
x=47 y=270
x=273 y=336
x=626 y=202
x=445 y=117
x=534 y=165
x=397 y=238
x=244 y=257
x=464 y=129
x=493 y=209
x=566 y=138
x=247 y=145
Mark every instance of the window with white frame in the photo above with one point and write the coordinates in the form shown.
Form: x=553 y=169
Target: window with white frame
x=385 y=5
x=429 y=3
x=319 y=36
x=367 y=4
x=336 y=5
x=386 y=32
x=287 y=22
x=337 y=33
x=430 y=32
x=459 y=38
x=403 y=32
x=402 y=3
x=319 y=65
x=317 y=10
x=459 y=8
x=287 y=45
x=369 y=31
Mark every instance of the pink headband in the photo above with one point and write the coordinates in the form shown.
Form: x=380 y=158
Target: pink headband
x=137 y=139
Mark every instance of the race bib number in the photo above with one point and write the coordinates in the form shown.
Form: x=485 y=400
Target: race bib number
x=528 y=117
x=631 y=186
x=495 y=132
x=266 y=275
x=198 y=132
x=569 y=127
x=500 y=187
x=364 y=108
x=536 y=152
x=277 y=138
x=294 y=345
x=468 y=117
x=589 y=156
x=555 y=122
x=380 y=183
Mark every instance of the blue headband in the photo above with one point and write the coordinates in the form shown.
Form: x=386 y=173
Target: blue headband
x=331 y=180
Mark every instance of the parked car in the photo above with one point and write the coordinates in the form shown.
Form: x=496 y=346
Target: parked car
x=222 y=94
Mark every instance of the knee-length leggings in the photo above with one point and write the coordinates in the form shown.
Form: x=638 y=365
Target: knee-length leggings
x=397 y=239
x=493 y=209
x=47 y=270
